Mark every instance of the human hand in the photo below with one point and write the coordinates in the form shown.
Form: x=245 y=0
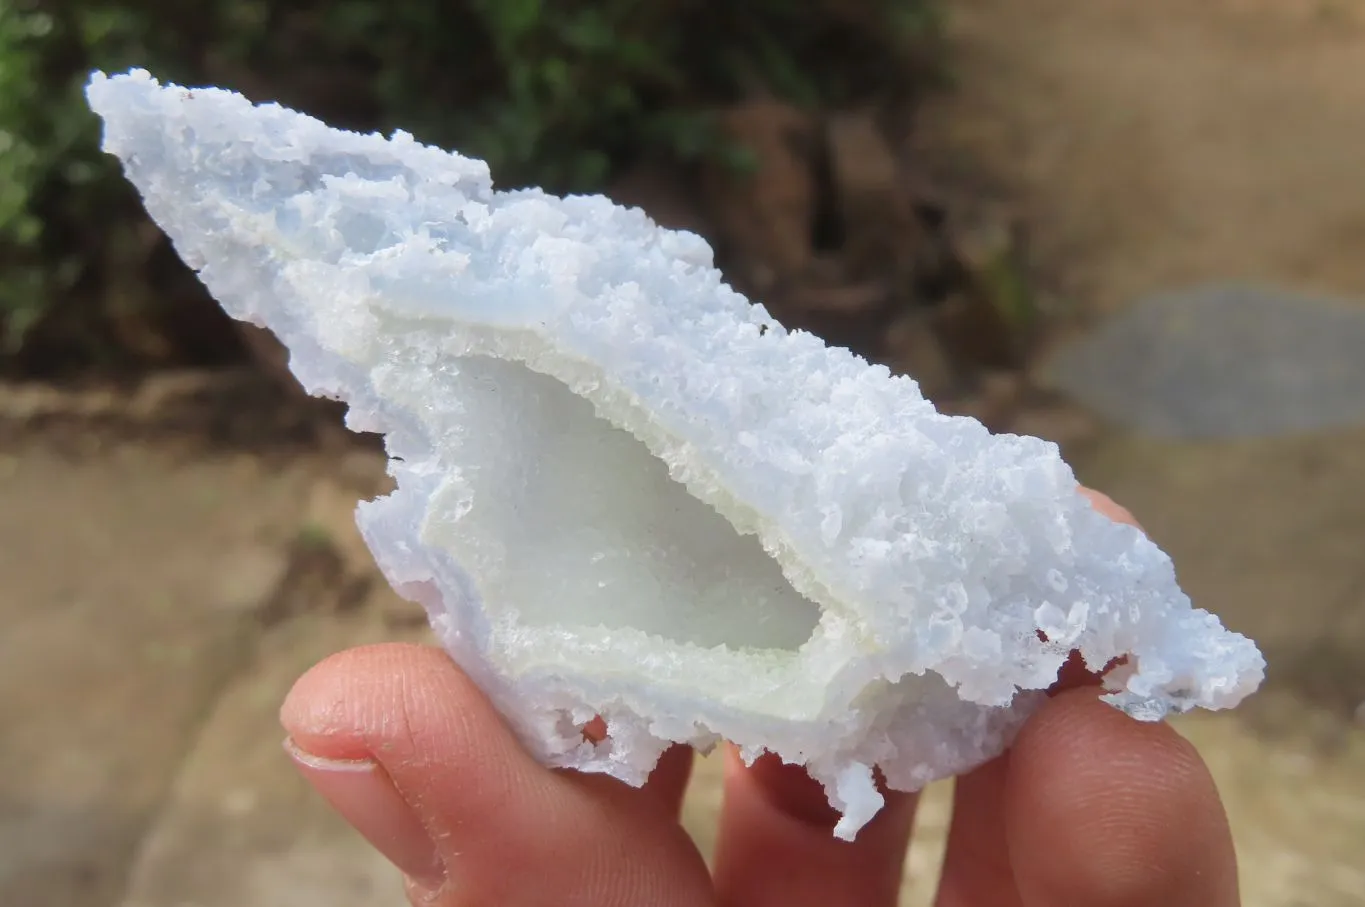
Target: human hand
x=1089 y=807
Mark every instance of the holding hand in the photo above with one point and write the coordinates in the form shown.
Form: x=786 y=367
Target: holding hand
x=1089 y=807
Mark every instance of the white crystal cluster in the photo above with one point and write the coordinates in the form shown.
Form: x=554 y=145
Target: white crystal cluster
x=623 y=490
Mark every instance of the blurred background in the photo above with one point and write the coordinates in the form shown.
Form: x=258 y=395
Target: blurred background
x=1135 y=227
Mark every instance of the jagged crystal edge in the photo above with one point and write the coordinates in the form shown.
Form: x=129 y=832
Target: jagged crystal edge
x=938 y=553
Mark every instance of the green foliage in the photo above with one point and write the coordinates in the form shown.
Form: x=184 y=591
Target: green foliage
x=21 y=158
x=51 y=169
x=559 y=93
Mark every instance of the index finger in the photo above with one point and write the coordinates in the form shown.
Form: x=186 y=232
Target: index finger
x=1103 y=810
x=1107 y=506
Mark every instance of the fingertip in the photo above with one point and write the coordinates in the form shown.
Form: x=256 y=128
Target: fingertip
x=1102 y=809
x=506 y=826
x=412 y=710
x=390 y=701
x=1107 y=506
x=324 y=699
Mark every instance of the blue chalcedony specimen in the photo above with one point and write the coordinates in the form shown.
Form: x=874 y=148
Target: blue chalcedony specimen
x=623 y=490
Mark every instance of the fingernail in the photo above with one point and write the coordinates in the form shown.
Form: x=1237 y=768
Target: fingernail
x=362 y=792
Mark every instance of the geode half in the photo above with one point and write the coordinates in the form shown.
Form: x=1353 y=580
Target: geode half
x=625 y=491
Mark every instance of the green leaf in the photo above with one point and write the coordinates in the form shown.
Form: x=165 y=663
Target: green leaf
x=510 y=21
x=590 y=32
x=557 y=77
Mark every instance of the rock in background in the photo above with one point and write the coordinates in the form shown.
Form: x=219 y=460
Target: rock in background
x=1223 y=361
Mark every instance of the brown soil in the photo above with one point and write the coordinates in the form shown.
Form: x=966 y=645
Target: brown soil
x=1163 y=143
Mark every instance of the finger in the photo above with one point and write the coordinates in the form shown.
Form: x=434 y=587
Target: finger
x=1106 y=505
x=417 y=759
x=976 y=867
x=1103 y=810
x=668 y=782
x=776 y=844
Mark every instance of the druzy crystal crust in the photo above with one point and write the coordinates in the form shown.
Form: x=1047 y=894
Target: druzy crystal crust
x=624 y=490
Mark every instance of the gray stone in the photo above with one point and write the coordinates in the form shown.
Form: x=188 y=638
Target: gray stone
x=1223 y=361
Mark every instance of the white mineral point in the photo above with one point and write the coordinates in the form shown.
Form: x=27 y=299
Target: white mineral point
x=623 y=490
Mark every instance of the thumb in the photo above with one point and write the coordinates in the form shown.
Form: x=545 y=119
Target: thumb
x=413 y=755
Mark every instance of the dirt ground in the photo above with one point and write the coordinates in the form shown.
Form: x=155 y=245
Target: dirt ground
x=1162 y=142
x=159 y=596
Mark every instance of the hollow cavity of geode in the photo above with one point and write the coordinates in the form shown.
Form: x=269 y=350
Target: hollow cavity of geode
x=623 y=490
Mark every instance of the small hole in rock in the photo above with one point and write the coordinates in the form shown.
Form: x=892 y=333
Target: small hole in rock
x=595 y=731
